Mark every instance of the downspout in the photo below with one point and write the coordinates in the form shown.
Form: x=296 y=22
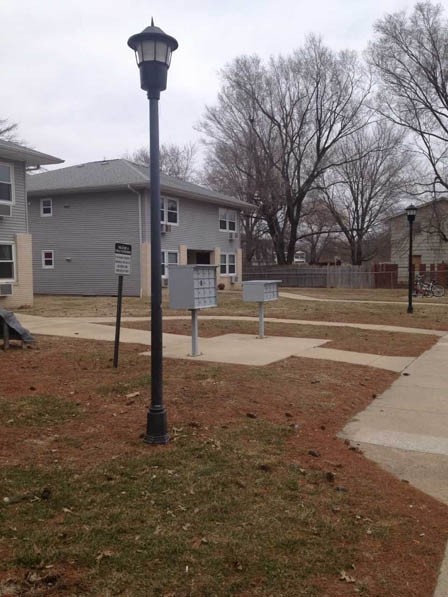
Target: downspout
x=27 y=221
x=140 y=232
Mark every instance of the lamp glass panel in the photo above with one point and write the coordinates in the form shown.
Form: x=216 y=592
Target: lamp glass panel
x=161 y=50
x=147 y=50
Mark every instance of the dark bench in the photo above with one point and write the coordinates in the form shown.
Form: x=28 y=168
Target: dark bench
x=9 y=332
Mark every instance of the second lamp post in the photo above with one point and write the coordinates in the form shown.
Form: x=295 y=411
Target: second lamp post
x=153 y=49
x=410 y=212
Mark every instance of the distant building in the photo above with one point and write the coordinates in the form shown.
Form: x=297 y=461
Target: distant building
x=430 y=238
x=299 y=257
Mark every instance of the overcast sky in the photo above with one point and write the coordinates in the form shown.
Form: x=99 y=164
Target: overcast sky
x=71 y=82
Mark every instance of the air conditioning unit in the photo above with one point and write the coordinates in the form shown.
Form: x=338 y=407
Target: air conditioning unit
x=233 y=279
x=164 y=228
x=232 y=235
x=5 y=210
x=5 y=289
x=165 y=282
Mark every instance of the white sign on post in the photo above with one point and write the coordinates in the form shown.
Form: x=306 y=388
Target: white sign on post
x=123 y=253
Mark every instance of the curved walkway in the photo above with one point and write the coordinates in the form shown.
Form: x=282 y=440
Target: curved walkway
x=242 y=349
x=304 y=297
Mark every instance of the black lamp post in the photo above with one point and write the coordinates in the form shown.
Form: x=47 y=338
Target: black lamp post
x=153 y=49
x=410 y=212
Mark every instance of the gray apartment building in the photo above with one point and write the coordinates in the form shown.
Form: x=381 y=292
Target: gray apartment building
x=78 y=213
x=16 y=276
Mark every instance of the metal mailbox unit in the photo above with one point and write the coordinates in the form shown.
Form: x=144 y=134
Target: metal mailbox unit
x=261 y=292
x=192 y=287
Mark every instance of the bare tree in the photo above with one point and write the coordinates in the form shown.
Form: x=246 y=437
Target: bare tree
x=316 y=229
x=275 y=129
x=362 y=190
x=8 y=130
x=410 y=55
x=178 y=161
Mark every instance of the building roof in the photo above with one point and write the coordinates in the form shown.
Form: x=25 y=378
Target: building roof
x=31 y=157
x=120 y=174
x=420 y=206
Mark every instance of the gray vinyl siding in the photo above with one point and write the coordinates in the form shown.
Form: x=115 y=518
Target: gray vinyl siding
x=198 y=229
x=82 y=232
x=17 y=223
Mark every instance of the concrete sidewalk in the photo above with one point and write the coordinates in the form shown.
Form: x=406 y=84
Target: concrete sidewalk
x=405 y=430
x=242 y=349
x=416 y=301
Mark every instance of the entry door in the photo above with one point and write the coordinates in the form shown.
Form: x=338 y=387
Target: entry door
x=416 y=262
x=202 y=258
x=198 y=257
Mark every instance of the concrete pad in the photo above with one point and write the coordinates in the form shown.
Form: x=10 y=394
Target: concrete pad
x=243 y=349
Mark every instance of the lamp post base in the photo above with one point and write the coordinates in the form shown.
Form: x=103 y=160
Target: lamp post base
x=156 y=427
x=410 y=310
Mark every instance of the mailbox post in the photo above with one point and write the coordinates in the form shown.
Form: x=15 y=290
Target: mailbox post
x=192 y=287
x=261 y=292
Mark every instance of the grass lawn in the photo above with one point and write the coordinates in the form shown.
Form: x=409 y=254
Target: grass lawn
x=426 y=313
x=254 y=495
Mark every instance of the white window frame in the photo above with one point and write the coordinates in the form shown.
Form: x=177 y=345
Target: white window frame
x=227 y=264
x=166 y=263
x=225 y=220
x=44 y=265
x=164 y=210
x=13 y=261
x=12 y=184
x=42 y=207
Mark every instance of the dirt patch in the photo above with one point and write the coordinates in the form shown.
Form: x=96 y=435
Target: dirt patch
x=254 y=494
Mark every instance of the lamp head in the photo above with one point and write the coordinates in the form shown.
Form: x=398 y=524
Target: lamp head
x=411 y=212
x=153 y=49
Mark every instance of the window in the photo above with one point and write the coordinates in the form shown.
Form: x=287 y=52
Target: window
x=228 y=264
x=7 y=262
x=169 y=213
x=168 y=258
x=6 y=183
x=46 y=208
x=48 y=259
x=227 y=220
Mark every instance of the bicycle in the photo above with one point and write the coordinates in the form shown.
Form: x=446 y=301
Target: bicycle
x=423 y=288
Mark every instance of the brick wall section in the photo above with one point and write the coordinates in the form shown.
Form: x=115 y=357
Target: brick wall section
x=23 y=287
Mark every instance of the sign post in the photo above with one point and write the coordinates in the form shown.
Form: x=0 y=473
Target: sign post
x=123 y=254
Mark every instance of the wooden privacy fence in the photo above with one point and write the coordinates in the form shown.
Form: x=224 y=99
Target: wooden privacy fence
x=380 y=275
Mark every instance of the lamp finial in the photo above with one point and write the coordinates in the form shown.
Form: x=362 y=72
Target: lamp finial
x=152 y=21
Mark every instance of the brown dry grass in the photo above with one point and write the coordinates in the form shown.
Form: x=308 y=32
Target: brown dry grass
x=237 y=504
x=426 y=315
